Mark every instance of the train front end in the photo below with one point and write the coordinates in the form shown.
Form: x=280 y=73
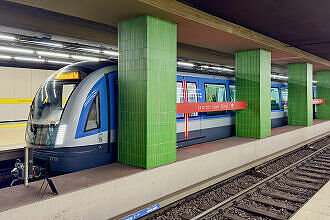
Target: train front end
x=42 y=131
x=64 y=126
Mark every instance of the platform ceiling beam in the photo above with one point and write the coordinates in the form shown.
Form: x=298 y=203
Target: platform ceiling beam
x=300 y=94
x=323 y=92
x=222 y=36
x=147 y=91
x=253 y=69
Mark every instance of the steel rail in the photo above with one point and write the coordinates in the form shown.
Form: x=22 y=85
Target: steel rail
x=230 y=199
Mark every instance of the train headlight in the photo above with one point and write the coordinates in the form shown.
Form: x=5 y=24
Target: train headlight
x=60 y=135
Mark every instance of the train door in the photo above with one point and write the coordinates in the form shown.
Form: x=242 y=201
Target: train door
x=112 y=91
x=217 y=124
x=188 y=129
x=314 y=106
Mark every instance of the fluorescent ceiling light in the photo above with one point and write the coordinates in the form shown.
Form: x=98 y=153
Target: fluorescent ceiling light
x=90 y=50
x=5 y=57
x=77 y=57
x=17 y=50
x=58 y=62
x=278 y=76
x=227 y=69
x=111 y=53
x=29 y=59
x=49 y=44
x=7 y=37
x=53 y=54
x=185 y=64
x=216 y=68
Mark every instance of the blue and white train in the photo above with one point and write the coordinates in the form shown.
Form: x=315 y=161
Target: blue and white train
x=73 y=118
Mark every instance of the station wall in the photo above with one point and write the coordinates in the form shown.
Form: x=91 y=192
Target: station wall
x=17 y=89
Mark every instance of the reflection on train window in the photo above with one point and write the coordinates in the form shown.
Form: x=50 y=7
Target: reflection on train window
x=93 y=118
x=284 y=94
x=215 y=93
x=232 y=93
x=191 y=96
x=275 y=98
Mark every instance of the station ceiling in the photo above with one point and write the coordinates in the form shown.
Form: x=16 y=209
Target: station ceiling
x=303 y=24
x=201 y=36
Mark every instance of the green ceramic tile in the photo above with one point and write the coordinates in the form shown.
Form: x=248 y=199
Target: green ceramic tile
x=300 y=94
x=253 y=69
x=147 y=91
x=323 y=92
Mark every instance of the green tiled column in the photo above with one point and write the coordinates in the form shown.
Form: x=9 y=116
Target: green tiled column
x=253 y=69
x=300 y=100
x=323 y=92
x=147 y=91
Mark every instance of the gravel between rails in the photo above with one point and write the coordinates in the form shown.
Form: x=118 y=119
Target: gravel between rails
x=195 y=204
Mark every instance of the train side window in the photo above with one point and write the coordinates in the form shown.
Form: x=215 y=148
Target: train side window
x=284 y=94
x=192 y=96
x=232 y=93
x=93 y=118
x=179 y=92
x=215 y=93
x=275 y=98
x=179 y=97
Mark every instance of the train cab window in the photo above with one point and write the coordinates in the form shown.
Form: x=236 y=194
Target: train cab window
x=232 y=93
x=215 y=93
x=284 y=94
x=66 y=92
x=93 y=118
x=275 y=98
x=191 y=96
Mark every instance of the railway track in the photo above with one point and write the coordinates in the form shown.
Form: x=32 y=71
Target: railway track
x=275 y=190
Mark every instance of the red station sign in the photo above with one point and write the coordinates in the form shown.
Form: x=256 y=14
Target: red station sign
x=318 y=101
x=209 y=106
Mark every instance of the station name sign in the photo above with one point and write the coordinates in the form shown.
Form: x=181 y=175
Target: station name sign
x=209 y=106
x=318 y=101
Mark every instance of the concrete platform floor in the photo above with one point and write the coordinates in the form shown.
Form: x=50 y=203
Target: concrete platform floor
x=108 y=191
x=317 y=208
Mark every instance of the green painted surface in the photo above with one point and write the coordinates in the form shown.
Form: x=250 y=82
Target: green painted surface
x=253 y=69
x=147 y=91
x=300 y=94
x=323 y=92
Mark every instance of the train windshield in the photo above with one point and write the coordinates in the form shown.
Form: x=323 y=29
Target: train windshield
x=48 y=105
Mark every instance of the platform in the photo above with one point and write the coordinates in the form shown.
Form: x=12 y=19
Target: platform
x=317 y=208
x=12 y=141
x=12 y=136
x=108 y=191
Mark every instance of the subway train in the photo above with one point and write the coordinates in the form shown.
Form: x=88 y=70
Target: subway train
x=72 y=122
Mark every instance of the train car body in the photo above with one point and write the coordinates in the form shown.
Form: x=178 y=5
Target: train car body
x=73 y=119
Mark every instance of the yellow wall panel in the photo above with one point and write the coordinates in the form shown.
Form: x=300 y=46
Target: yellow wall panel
x=18 y=86
x=7 y=112
x=22 y=83
x=7 y=83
